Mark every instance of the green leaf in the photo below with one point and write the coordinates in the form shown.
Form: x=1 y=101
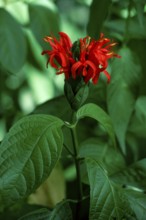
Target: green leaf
x=62 y=211
x=98 y=14
x=95 y=112
x=126 y=74
x=43 y=22
x=137 y=203
x=134 y=175
x=28 y=154
x=106 y=199
x=12 y=42
x=111 y=159
x=138 y=121
x=40 y=214
x=81 y=95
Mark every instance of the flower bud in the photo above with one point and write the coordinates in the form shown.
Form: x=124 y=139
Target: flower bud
x=76 y=92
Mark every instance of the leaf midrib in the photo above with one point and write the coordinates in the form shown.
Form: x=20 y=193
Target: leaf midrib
x=112 y=191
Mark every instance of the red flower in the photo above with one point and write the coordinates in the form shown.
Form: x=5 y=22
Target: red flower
x=91 y=61
x=60 y=57
x=93 y=58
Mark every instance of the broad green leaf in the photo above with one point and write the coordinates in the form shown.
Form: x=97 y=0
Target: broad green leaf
x=62 y=211
x=43 y=22
x=138 y=121
x=106 y=199
x=120 y=98
x=137 y=203
x=134 y=175
x=95 y=112
x=12 y=42
x=111 y=158
x=40 y=214
x=28 y=154
x=58 y=107
x=98 y=14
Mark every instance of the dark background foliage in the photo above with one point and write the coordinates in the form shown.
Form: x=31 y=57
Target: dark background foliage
x=27 y=86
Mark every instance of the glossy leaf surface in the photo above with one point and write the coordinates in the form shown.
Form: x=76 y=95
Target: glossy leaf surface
x=97 y=113
x=28 y=154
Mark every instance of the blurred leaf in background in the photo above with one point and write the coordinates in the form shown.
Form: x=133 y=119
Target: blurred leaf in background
x=27 y=86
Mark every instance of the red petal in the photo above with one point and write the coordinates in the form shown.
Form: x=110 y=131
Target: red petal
x=45 y=52
x=85 y=71
x=92 y=65
x=88 y=76
x=51 y=61
x=63 y=59
x=75 y=68
x=95 y=79
x=107 y=75
x=65 y=41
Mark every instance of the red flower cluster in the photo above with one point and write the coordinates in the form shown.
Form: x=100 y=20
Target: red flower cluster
x=91 y=61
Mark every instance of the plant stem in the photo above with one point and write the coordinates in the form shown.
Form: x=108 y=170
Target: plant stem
x=68 y=150
x=77 y=164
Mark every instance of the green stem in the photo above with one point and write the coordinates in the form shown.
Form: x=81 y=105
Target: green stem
x=68 y=150
x=77 y=165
